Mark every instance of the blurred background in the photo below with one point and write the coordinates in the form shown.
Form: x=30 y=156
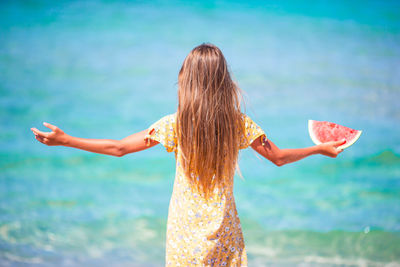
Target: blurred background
x=107 y=69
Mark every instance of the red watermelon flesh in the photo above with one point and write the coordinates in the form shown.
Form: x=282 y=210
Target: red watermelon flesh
x=324 y=131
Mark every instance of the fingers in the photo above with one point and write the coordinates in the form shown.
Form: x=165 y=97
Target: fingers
x=50 y=126
x=338 y=149
x=47 y=138
x=45 y=134
x=39 y=133
x=339 y=143
x=42 y=140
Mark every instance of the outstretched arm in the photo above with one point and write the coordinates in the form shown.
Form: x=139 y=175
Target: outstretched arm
x=284 y=156
x=133 y=143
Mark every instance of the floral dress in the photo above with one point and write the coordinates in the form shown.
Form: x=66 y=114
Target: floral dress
x=200 y=232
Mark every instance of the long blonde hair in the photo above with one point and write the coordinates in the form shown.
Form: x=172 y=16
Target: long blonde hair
x=208 y=118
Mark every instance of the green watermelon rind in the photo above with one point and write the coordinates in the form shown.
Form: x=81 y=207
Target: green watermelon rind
x=317 y=142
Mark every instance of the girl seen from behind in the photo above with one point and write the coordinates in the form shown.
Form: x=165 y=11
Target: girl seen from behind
x=205 y=134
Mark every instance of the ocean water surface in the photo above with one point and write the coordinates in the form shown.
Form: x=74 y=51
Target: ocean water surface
x=107 y=69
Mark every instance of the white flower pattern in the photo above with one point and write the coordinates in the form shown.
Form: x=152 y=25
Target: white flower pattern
x=201 y=232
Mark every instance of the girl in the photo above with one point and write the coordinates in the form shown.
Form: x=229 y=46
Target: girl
x=206 y=134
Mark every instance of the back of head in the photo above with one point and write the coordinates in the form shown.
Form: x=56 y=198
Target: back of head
x=208 y=118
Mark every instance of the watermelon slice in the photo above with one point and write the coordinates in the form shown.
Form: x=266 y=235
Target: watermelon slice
x=324 y=131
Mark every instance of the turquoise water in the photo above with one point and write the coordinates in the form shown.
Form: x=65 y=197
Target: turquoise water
x=107 y=69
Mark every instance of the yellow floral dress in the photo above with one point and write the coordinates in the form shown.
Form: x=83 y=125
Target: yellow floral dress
x=200 y=232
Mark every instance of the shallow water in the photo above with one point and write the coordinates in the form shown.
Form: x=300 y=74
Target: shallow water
x=102 y=69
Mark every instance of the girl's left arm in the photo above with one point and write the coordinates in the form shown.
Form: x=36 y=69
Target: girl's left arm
x=57 y=137
x=284 y=156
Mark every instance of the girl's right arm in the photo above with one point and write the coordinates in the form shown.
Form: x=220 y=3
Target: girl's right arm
x=284 y=156
x=133 y=143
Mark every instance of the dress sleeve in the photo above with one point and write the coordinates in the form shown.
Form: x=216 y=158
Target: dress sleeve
x=251 y=132
x=163 y=131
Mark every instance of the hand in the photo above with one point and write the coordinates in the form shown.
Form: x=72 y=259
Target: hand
x=331 y=149
x=54 y=138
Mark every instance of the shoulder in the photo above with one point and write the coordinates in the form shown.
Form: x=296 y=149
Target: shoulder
x=251 y=131
x=244 y=117
x=166 y=120
x=163 y=131
x=247 y=121
x=170 y=118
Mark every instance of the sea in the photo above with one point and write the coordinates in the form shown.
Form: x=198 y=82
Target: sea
x=108 y=69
